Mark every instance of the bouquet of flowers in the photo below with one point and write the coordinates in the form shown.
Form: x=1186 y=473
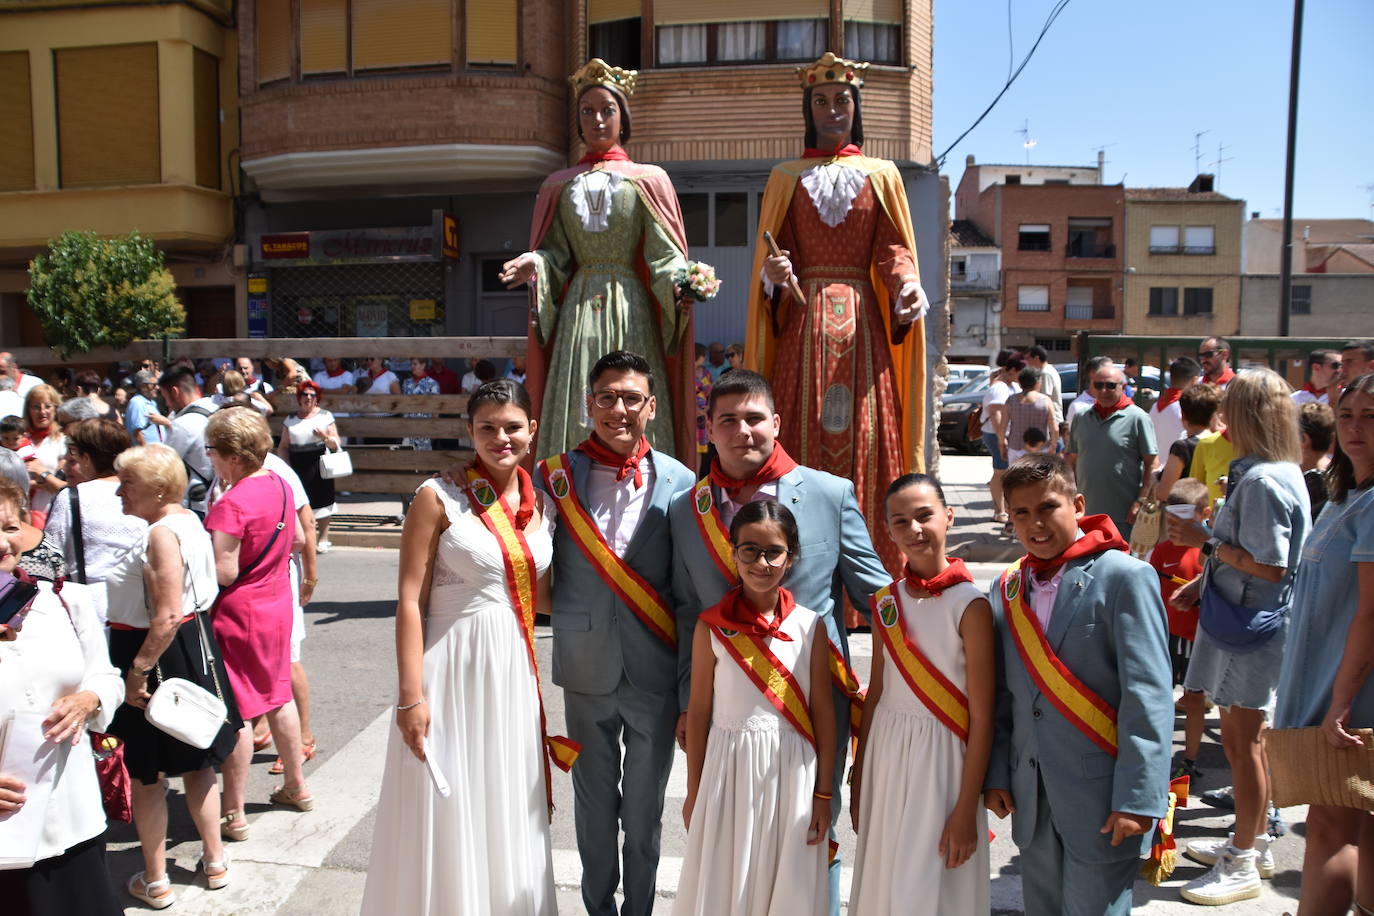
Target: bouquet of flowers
x=699 y=281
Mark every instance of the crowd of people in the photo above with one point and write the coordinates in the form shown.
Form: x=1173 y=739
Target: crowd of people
x=703 y=609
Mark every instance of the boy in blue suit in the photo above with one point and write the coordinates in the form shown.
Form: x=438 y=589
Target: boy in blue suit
x=1084 y=731
x=614 y=645
x=836 y=557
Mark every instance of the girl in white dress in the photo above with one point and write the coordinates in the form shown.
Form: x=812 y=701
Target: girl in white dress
x=916 y=799
x=758 y=799
x=469 y=690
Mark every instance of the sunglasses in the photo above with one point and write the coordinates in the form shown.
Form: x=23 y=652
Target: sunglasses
x=1208 y=354
x=1106 y=386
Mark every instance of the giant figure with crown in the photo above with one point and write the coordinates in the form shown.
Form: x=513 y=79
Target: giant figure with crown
x=607 y=249
x=847 y=360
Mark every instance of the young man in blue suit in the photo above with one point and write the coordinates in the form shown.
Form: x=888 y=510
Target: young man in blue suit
x=1085 y=712
x=614 y=645
x=837 y=556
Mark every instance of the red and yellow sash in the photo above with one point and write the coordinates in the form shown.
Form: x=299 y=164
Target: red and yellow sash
x=843 y=676
x=774 y=680
x=637 y=594
x=520 y=583
x=1088 y=712
x=714 y=534
x=945 y=701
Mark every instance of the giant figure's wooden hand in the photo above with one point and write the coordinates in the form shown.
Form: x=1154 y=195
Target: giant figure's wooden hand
x=519 y=271
x=912 y=304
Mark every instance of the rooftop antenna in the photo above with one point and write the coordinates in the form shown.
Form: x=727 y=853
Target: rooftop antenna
x=1216 y=165
x=1197 y=151
x=1027 y=140
x=1369 y=189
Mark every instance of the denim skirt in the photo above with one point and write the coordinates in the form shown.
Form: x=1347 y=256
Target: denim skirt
x=1245 y=679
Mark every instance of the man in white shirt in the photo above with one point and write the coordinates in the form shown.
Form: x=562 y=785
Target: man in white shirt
x=1037 y=357
x=1323 y=371
x=23 y=381
x=190 y=415
x=615 y=651
x=1167 y=414
x=11 y=404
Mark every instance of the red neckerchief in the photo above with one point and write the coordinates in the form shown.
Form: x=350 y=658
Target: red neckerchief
x=1225 y=377
x=848 y=149
x=1226 y=434
x=614 y=154
x=599 y=452
x=36 y=436
x=736 y=613
x=526 y=510
x=341 y=371
x=778 y=464
x=952 y=575
x=1315 y=392
x=1169 y=396
x=1099 y=536
x=1121 y=404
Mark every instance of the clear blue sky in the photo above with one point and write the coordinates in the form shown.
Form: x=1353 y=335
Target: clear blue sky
x=1144 y=77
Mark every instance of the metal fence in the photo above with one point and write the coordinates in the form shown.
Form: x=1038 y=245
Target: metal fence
x=403 y=299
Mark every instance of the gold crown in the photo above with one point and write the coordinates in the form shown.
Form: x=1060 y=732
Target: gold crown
x=832 y=69
x=597 y=72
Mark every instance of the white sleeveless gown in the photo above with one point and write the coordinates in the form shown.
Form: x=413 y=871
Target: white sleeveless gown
x=484 y=850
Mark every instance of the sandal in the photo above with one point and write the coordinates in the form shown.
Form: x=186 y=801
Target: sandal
x=308 y=754
x=1001 y=518
x=220 y=877
x=292 y=798
x=263 y=743
x=230 y=832
x=156 y=894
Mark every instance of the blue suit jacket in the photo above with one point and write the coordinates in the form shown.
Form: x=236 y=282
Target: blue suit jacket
x=596 y=637
x=1108 y=628
x=836 y=556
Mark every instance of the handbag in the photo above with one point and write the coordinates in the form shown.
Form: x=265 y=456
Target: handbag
x=973 y=426
x=1306 y=770
x=1236 y=627
x=185 y=710
x=335 y=464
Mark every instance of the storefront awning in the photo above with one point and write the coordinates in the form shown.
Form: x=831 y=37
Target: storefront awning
x=401 y=165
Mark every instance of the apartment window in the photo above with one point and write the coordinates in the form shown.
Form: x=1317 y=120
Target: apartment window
x=1078 y=303
x=1199 y=240
x=1090 y=238
x=1163 y=300
x=696 y=218
x=16 y=113
x=324 y=37
x=873 y=30
x=740 y=42
x=1012 y=179
x=272 y=25
x=716 y=219
x=613 y=31
x=1034 y=237
x=1032 y=298
x=1088 y=299
x=1163 y=240
x=491 y=32
x=1055 y=344
x=958 y=268
x=1197 y=300
x=1300 y=299
x=413 y=35
x=205 y=88
x=103 y=137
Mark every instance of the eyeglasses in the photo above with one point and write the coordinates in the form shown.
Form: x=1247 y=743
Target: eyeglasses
x=307 y=394
x=211 y=449
x=1208 y=354
x=632 y=400
x=749 y=554
x=1106 y=386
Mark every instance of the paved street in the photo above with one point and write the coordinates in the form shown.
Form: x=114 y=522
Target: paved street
x=306 y=864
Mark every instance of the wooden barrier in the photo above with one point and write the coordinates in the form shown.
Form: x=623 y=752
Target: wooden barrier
x=297 y=348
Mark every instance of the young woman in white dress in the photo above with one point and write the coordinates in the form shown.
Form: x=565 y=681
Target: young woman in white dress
x=917 y=795
x=758 y=799
x=469 y=692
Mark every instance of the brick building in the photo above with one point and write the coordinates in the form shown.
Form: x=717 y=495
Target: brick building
x=1333 y=277
x=1060 y=231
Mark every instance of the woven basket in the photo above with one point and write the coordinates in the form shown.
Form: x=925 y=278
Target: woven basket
x=1306 y=770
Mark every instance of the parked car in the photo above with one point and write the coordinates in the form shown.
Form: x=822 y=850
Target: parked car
x=961 y=374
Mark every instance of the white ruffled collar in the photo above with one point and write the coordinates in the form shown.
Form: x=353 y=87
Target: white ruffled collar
x=832 y=187
x=592 y=194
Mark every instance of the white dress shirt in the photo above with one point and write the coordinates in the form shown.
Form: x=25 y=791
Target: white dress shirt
x=617 y=507
x=729 y=508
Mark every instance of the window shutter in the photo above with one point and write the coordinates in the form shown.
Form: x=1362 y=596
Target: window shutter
x=392 y=34
x=610 y=10
x=16 y=113
x=324 y=36
x=678 y=12
x=885 y=11
x=107 y=115
x=206 y=79
x=273 y=40
x=1163 y=236
x=1195 y=237
x=491 y=27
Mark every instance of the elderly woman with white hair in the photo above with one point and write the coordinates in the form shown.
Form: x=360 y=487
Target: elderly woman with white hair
x=159 y=591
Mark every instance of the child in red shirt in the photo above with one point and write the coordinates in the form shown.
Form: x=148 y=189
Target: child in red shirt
x=1188 y=499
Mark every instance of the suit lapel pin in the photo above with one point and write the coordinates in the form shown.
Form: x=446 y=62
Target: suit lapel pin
x=796 y=499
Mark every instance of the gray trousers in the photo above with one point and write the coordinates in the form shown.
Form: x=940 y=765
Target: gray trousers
x=1054 y=882
x=609 y=797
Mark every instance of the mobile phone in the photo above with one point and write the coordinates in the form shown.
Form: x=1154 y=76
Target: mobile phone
x=15 y=596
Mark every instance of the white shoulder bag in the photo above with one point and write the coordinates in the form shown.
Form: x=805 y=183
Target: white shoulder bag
x=186 y=711
x=335 y=464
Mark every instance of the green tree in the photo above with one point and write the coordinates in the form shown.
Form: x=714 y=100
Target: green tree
x=88 y=291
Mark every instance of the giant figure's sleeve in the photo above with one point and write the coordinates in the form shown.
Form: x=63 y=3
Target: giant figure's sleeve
x=664 y=261
x=555 y=267
x=893 y=262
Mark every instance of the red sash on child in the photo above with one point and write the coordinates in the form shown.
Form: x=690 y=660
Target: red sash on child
x=945 y=701
x=637 y=594
x=1088 y=712
x=492 y=509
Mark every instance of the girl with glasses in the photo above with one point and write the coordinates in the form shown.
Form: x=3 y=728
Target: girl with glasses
x=760 y=706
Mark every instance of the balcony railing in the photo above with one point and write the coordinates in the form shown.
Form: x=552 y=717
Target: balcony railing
x=1199 y=249
x=1183 y=249
x=1165 y=249
x=978 y=280
x=1089 y=250
x=1089 y=312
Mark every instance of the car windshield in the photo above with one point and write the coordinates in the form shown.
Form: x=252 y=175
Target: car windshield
x=973 y=385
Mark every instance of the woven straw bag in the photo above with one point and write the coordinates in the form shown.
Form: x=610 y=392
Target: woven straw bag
x=1306 y=770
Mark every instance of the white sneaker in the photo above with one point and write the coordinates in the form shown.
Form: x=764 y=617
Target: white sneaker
x=323 y=547
x=1209 y=850
x=1234 y=878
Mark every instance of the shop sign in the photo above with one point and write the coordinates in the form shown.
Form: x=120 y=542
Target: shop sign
x=451 y=250
x=286 y=246
x=354 y=246
x=371 y=320
x=422 y=309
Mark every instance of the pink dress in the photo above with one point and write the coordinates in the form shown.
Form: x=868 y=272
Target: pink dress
x=252 y=618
